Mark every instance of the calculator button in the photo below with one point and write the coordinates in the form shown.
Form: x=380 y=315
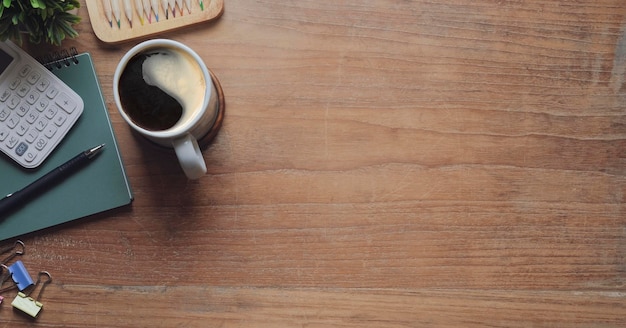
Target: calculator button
x=5 y=95
x=30 y=156
x=13 y=120
x=41 y=143
x=33 y=77
x=23 y=90
x=12 y=141
x=13 y=101
x=41 y=123
x=43 y=84
x=42 y=103
x=24 y=70
x=4 y=133
x=32 y=116
x=16 y=82
x=60 y=119
x=21 y=128
x=32 y=97
x=65 y=102
x=50 y=131
x=21 y=148
x=22 y=109
x=50 y=112
x=4 y=113
x=52 y=92
x=31 y=135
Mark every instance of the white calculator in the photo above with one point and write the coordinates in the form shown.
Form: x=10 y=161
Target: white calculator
x=37 y=109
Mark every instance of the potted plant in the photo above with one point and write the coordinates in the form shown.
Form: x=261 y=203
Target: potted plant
x=50 y=21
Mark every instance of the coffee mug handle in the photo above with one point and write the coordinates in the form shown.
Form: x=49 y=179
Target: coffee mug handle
x=190 y=156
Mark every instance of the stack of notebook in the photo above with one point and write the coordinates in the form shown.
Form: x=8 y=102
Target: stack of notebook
x=102 y=185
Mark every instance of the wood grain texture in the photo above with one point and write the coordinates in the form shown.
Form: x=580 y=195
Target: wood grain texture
x=382 y=163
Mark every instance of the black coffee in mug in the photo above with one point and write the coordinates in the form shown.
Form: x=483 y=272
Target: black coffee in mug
x=147 y=105
x=161 y=87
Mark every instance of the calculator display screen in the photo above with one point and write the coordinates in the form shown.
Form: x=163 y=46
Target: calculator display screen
x=5 y=60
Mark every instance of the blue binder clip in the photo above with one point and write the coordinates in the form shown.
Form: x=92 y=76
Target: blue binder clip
x=20 y=276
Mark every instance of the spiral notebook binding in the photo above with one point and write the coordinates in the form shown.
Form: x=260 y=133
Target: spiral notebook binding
x=59 y=59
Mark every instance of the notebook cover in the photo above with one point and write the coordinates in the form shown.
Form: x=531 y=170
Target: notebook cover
x=99 y=186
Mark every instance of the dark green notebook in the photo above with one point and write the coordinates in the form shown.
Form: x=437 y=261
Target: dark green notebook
x=97 y=187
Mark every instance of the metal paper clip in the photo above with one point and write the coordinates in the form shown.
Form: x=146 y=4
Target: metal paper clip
x=3 y=278
x=20 y=275
x=18 y=248
x=27 y=304
x=5 y=274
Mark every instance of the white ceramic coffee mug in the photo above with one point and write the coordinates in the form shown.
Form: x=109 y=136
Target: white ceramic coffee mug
x=198 y=116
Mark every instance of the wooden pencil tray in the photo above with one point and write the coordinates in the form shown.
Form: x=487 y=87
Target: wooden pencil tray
x=124 y=32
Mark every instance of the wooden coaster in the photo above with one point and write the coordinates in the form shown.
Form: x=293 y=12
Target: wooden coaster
x=139 y=25
x=221 y=103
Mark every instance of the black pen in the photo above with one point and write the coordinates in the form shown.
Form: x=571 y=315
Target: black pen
x=19 y=198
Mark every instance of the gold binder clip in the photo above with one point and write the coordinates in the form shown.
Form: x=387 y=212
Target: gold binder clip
x=18 y=248
x=27 y=304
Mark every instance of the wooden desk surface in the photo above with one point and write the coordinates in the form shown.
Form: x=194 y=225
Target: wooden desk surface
x=382 y=163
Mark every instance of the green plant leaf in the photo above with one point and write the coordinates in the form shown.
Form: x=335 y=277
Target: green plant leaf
x=42 y=20
x=37 y=4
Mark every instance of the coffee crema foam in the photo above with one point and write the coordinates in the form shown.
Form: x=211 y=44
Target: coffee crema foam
x=161 y=87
